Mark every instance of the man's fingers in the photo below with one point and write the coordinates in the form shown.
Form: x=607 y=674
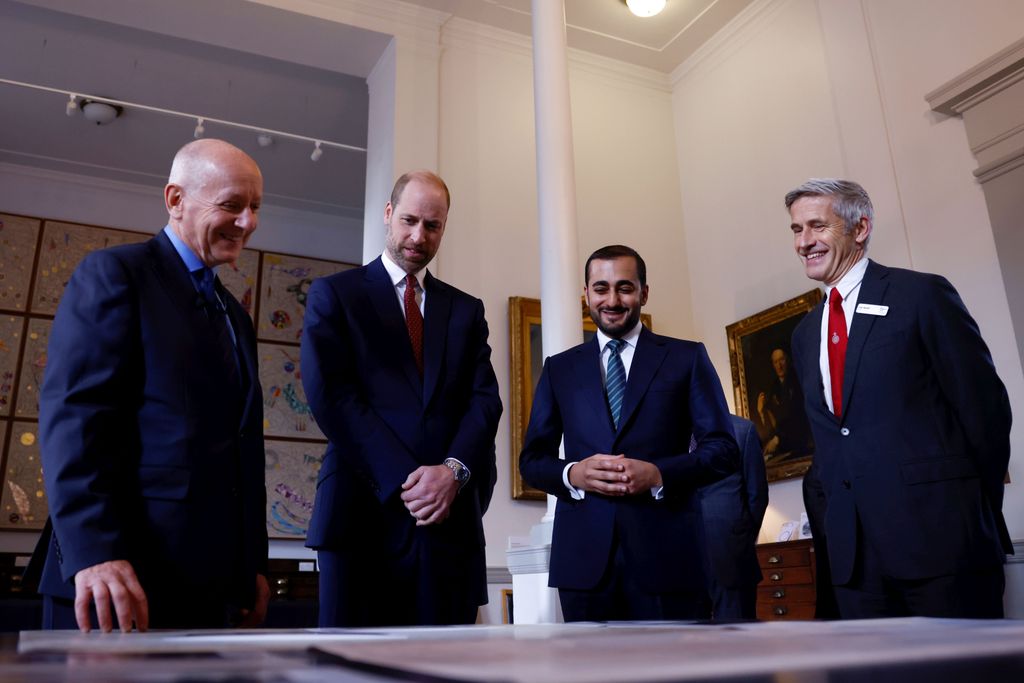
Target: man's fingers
x=101 y=597
x=83 y=598
x=139 y=602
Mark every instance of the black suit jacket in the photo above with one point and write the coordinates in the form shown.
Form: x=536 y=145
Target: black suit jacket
x=921 y=451
x=672 y=392
x=384 y=421
x=147 y=453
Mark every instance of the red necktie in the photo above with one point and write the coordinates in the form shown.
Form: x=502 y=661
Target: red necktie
x=414 y=321
x=836 y=348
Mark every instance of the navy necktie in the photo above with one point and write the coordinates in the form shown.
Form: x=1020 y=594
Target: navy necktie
x=217 y=315
x=615 y=379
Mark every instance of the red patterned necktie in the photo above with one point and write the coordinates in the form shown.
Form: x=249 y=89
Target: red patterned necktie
x=836 y=348
x=414 y=321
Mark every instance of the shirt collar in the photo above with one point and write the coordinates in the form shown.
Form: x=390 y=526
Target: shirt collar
x=396 y=273
x=630 y=337
x=192 y=262
x=849 y=282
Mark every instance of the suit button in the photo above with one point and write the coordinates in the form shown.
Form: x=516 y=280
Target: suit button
x=846 y=483
x=844 y=431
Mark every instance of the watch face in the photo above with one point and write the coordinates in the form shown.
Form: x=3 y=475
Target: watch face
x=461 y=473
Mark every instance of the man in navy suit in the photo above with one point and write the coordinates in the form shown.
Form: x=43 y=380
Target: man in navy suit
x=733 y=510
x=398 y=373
x=627 y=524
x=150 y=421
x=910 y=421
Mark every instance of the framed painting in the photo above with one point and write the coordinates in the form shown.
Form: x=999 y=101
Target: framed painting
x=527 y=360
x=292 y=468
x=765 y=387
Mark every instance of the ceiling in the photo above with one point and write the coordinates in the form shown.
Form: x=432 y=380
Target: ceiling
x=252 y=63
x=608 y=28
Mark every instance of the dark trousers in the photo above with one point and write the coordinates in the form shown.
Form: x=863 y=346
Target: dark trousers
x=359 y=589
x=971 y=594
x=732 y=604
x=618 y=597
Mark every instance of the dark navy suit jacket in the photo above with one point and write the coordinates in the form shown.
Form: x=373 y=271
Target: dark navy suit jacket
x=921 y=451
x=148 y=455
x=384 y=421
x=672 y=392
x=733 y=510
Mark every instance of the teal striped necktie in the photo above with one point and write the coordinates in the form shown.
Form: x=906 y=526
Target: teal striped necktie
x=615 y=379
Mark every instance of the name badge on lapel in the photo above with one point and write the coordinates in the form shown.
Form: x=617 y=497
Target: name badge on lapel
x=872 y=309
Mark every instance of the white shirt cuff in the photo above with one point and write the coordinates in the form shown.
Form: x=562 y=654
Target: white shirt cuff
x=577 y=494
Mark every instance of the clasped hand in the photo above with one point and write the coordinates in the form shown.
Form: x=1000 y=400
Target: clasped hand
x=614 y=475
x=428 y=493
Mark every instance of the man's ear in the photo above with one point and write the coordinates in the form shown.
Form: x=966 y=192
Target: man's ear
x=863 y=230
x=173 y=197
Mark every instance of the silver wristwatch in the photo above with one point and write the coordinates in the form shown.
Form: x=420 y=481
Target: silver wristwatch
x=460 y=471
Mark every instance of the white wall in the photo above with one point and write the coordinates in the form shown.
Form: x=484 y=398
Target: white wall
x=626 y=192
x=799 y=88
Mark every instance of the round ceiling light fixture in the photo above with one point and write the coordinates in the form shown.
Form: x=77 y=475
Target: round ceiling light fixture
x=645 y=8
x=99 y=113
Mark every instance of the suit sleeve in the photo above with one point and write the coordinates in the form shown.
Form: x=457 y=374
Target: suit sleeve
x=754 y=476
x=473 y=444
x=968 y=379
x=85 y=413
x=331 y=382
x=716 y=455
x=539 y=463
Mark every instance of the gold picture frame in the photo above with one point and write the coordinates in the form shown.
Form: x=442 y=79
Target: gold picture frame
x=765 y=388
x=526 y=362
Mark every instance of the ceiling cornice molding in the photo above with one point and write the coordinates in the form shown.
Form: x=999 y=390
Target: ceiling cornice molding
x=736 y=32
x=458 y=33
x=391 y=17
x=981 y=82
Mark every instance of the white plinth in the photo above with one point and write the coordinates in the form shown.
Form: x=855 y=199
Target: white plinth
x=533 y=601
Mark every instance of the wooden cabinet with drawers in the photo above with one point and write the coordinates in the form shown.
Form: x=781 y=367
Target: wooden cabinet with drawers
x=787 y=590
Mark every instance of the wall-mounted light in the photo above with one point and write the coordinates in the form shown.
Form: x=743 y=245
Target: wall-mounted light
x=645 y=8
x=198 y=132
x=317 y=152
x=264 y=140
x=72 y=106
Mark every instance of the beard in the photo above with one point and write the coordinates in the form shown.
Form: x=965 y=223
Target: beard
x=616 y=329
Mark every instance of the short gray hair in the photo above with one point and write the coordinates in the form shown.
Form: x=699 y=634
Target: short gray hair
x=850 y=201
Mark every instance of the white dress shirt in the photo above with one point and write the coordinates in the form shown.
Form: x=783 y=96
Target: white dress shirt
x=849 y=289
x=398 y=276
x=626 y=354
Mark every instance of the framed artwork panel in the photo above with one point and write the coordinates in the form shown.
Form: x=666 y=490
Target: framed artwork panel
x=291 y=471
x=765 y=387
x=18 y=238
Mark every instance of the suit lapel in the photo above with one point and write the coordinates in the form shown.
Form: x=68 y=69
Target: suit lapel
x=382 y=295
x=248 y=362
x=872 y=291
x=174 y=276
x=587 y=367
x=647 y=358
x=438 y=308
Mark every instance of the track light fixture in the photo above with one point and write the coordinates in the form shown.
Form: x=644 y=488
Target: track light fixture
x=102 y=110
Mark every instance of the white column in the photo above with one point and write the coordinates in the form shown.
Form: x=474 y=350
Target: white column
x=556 y=187
x=559 y=269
